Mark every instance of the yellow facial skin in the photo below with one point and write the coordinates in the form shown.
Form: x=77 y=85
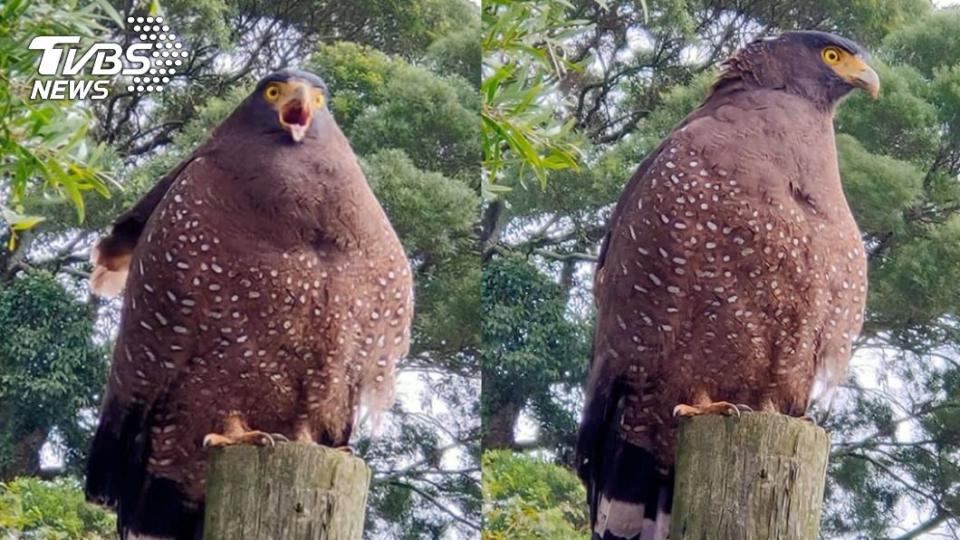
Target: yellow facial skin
x=294 y=100
x=852 y=69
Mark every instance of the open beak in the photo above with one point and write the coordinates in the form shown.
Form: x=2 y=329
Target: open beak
x=296 y=114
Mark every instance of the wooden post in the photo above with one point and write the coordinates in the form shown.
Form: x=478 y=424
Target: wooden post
x=760 y=477
x=293 y=491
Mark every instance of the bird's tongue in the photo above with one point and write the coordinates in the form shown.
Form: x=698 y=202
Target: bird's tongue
x=296 y=115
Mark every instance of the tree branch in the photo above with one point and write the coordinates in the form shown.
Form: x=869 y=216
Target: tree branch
x=924 y=527
x=440 y=506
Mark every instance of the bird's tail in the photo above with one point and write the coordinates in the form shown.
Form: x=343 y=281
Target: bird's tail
x=148 y=507
x=633 y=495
x=628 y=490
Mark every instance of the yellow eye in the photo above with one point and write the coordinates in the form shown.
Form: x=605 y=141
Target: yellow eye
x=272 y=92
x=831 y=55
x=318 y=100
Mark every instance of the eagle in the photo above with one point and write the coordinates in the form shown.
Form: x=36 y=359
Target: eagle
x=733 y=274
x=266 y=297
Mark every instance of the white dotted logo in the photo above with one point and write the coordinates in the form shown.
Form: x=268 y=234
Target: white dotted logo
x=147 y=65
x=167 y=55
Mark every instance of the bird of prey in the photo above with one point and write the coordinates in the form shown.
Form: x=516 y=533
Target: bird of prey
x=733 y=273
x=265 y=293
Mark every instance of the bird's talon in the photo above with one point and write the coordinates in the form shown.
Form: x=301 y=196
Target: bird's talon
x=216 y=440
x=685 y=410
x=717 y=407
x=256 y=438
x=733 y=409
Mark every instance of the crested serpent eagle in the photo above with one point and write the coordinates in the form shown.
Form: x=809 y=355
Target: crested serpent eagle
x=733 y=273
x=265 y=293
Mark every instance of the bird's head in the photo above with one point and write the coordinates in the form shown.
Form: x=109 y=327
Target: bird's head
x=816 y=65
x=290 y=100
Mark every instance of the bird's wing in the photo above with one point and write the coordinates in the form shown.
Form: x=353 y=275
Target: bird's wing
x=159 y=334
x=600 y=390
x=160 y=316
x=604 y=389
x=111 y=256
x=615 y=471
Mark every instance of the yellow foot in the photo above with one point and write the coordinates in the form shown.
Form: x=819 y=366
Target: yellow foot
x=258 y=438
x=716 y=407
x=238 y=432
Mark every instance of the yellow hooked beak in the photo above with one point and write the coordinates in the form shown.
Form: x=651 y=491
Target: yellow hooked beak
x=856 y=72
x=868 y=80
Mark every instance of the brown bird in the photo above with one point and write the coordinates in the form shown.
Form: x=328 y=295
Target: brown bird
x=733 y=273
x=267 y=294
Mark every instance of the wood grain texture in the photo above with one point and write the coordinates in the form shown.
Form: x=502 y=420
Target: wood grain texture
x=292 y=491
x=757 y=478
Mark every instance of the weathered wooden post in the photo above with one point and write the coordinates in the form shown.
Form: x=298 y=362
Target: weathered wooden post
x=292 y=491
x=759 y=477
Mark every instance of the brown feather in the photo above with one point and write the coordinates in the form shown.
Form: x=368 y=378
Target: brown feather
x=111 y=256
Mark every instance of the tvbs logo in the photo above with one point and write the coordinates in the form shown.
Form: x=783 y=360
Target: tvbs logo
x=87 y=74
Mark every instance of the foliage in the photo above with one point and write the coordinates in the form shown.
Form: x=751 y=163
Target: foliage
x=51 y=510
x=524 y=58
x=428 y=460
x=443 y=246
x=45 y=145
x=459 y=53
x=927 y=43
x=50 y=369
x=432 y=119
x=410 y=193
x=526 y=497
x=529 y=348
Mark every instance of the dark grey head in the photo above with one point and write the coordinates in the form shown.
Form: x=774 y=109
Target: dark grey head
x=290 y=101
x=816 y=65
x=816 y=40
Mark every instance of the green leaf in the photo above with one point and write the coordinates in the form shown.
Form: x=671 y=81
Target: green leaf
x=110 y=11
x=73 y=193
x=17 y=221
